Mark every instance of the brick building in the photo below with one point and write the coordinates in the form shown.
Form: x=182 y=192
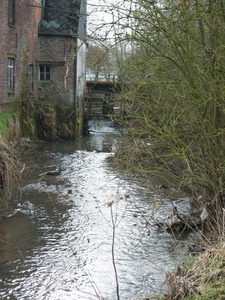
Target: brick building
x=18 y=32
x=43 y=50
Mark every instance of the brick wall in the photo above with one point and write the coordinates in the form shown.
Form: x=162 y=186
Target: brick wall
x=3 y=51
x=18 y=41
x=23 y=43
x=58 y=52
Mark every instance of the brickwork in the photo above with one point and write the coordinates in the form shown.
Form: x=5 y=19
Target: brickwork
x=18 y=41
x=24 y=42
x=3 y=51
x=58 y=52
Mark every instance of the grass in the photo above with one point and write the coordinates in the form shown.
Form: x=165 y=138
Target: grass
x=9 y=128
x=9 y=172
x=5 y=119
x=203 y=279
x=208 y=273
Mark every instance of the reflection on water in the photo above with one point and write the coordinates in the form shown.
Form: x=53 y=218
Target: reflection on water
x=62 y=248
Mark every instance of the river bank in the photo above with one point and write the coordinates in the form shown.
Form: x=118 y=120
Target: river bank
x=61 y=246
x=201 y=275
x=68 y=209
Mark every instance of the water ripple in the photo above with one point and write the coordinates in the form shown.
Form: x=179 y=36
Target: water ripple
x=63 y=250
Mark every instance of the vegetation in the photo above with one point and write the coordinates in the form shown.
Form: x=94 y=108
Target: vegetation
x=53 y=121
x=175 y=95
x=8 y=166
x=101 y=62
x=173 y=73
x=171 y=60
x=5 y=118
x=204 y=280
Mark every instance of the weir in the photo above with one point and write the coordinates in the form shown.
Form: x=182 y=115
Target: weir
x=102 y=98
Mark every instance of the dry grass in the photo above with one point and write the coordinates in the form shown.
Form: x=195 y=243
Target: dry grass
x=205 y=280
x=12 y=133
x=9 y=175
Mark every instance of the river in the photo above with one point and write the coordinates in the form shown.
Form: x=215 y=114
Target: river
x=60 y=247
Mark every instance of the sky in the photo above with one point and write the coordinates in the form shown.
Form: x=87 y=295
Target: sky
x=98 y=10
x=105 y=12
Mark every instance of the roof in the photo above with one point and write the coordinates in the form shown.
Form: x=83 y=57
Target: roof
x=60 y=17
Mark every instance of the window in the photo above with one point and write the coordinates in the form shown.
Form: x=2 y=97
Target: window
x=10 y=75
x=44 y=73
x=11 y=12
x=31 y=77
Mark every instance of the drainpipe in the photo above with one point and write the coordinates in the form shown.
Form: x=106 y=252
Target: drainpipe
x=75 y=93
x=74 y=111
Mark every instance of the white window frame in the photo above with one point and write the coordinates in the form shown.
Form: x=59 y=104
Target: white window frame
x=11 y=74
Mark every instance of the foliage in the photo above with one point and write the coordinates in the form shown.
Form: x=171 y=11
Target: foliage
x=174 y=92
x=173 y=101
x=9 y=175
x=26 y=119
x=101 y=61
x=208 y=273
x=96 y=59
x=5 y=119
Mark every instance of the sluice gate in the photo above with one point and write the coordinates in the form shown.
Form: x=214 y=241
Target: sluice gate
x=102 y=98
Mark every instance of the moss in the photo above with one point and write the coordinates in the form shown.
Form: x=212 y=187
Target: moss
x=45 y=120
x=43 y=102
x=54 y=121
x=26 y=119
x=5 y=119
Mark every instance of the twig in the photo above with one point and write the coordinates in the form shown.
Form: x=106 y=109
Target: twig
x=113 y=254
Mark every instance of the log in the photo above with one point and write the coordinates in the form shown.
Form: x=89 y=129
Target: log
x=53 y=173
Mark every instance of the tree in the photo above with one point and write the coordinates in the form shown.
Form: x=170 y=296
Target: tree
x=173 y=68
x=179 y=75
x=96 y=60
x=101 y=61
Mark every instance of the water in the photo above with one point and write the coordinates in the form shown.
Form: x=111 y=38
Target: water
x=61 y=248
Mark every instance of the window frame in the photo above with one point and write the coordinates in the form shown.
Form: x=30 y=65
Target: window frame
x=31 y=77
x=11 y=74
x=11 y=12
x=44 y=75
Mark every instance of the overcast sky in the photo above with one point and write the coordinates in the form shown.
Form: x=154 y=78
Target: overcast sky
x=105 y=12
x=99 y=14
x=98 y=10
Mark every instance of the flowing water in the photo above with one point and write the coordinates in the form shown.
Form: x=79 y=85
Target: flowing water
x=60 y=247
